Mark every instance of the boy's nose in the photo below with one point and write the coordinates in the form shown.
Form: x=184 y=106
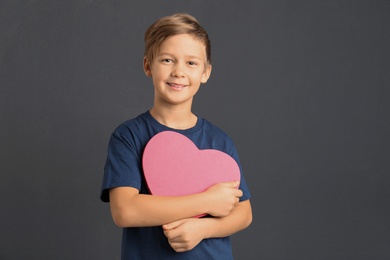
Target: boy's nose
x=178 y=70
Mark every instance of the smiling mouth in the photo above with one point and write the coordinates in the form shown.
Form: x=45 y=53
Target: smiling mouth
x=176 y=86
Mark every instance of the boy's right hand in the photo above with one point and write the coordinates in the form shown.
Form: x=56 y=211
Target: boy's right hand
x=222 y=198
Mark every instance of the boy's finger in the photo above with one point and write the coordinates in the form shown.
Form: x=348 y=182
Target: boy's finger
x=172 y=225
x=234 y=184
x=239 y=193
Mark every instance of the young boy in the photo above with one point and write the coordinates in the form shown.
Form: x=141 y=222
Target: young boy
x=177 y=58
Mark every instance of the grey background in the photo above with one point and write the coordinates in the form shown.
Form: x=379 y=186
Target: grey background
x=302 y=87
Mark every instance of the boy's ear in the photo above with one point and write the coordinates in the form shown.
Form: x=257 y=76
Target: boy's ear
x=206 y=73
x=147 y=69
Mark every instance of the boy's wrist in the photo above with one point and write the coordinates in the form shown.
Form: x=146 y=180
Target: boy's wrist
x=205 y=203
x=209 y=224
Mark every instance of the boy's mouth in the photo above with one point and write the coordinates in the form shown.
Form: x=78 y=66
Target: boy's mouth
x=176 y=86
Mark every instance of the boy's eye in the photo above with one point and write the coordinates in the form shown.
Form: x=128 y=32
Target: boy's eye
x=192 y=63
x=167 y=60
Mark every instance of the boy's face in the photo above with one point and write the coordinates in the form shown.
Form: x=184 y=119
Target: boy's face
x=178 y=69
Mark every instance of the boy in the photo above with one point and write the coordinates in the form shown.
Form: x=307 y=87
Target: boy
x=177 y=58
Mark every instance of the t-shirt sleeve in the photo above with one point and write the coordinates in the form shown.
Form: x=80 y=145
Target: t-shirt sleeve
x=231 y=150
x=123 y=165
x=243 y=186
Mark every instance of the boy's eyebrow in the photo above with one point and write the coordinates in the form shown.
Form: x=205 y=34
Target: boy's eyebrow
x=188 y=56
x=194 y=57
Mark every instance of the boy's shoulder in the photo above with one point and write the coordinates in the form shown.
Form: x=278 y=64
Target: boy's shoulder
x=215 y=134
x=137 y=122
x=213 y=128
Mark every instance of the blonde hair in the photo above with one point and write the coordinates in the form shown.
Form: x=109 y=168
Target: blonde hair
x=180 y=23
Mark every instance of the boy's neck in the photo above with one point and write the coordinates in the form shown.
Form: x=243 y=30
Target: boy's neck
x=174 y=118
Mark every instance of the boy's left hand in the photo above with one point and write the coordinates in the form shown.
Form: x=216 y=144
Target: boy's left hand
x=183 y=235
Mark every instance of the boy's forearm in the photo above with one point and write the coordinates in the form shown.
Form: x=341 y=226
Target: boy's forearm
x=239 y=219
x=139 y=210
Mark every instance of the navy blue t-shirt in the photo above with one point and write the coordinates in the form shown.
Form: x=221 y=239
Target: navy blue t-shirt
x=124 y=168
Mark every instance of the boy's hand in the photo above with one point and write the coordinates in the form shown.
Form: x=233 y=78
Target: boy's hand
x=222 y=198
x=183 y=235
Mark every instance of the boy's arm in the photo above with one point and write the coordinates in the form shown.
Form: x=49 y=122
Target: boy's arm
x=131 y=209
x=185 y=234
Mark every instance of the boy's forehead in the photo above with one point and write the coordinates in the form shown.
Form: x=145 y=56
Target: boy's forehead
x=193 y=46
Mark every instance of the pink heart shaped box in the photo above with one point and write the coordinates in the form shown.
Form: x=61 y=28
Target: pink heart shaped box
x=174 y=166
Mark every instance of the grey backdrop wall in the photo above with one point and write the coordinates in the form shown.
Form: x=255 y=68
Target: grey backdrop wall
x=302 y=87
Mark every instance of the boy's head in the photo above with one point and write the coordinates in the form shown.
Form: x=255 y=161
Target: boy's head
x=168 y=26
